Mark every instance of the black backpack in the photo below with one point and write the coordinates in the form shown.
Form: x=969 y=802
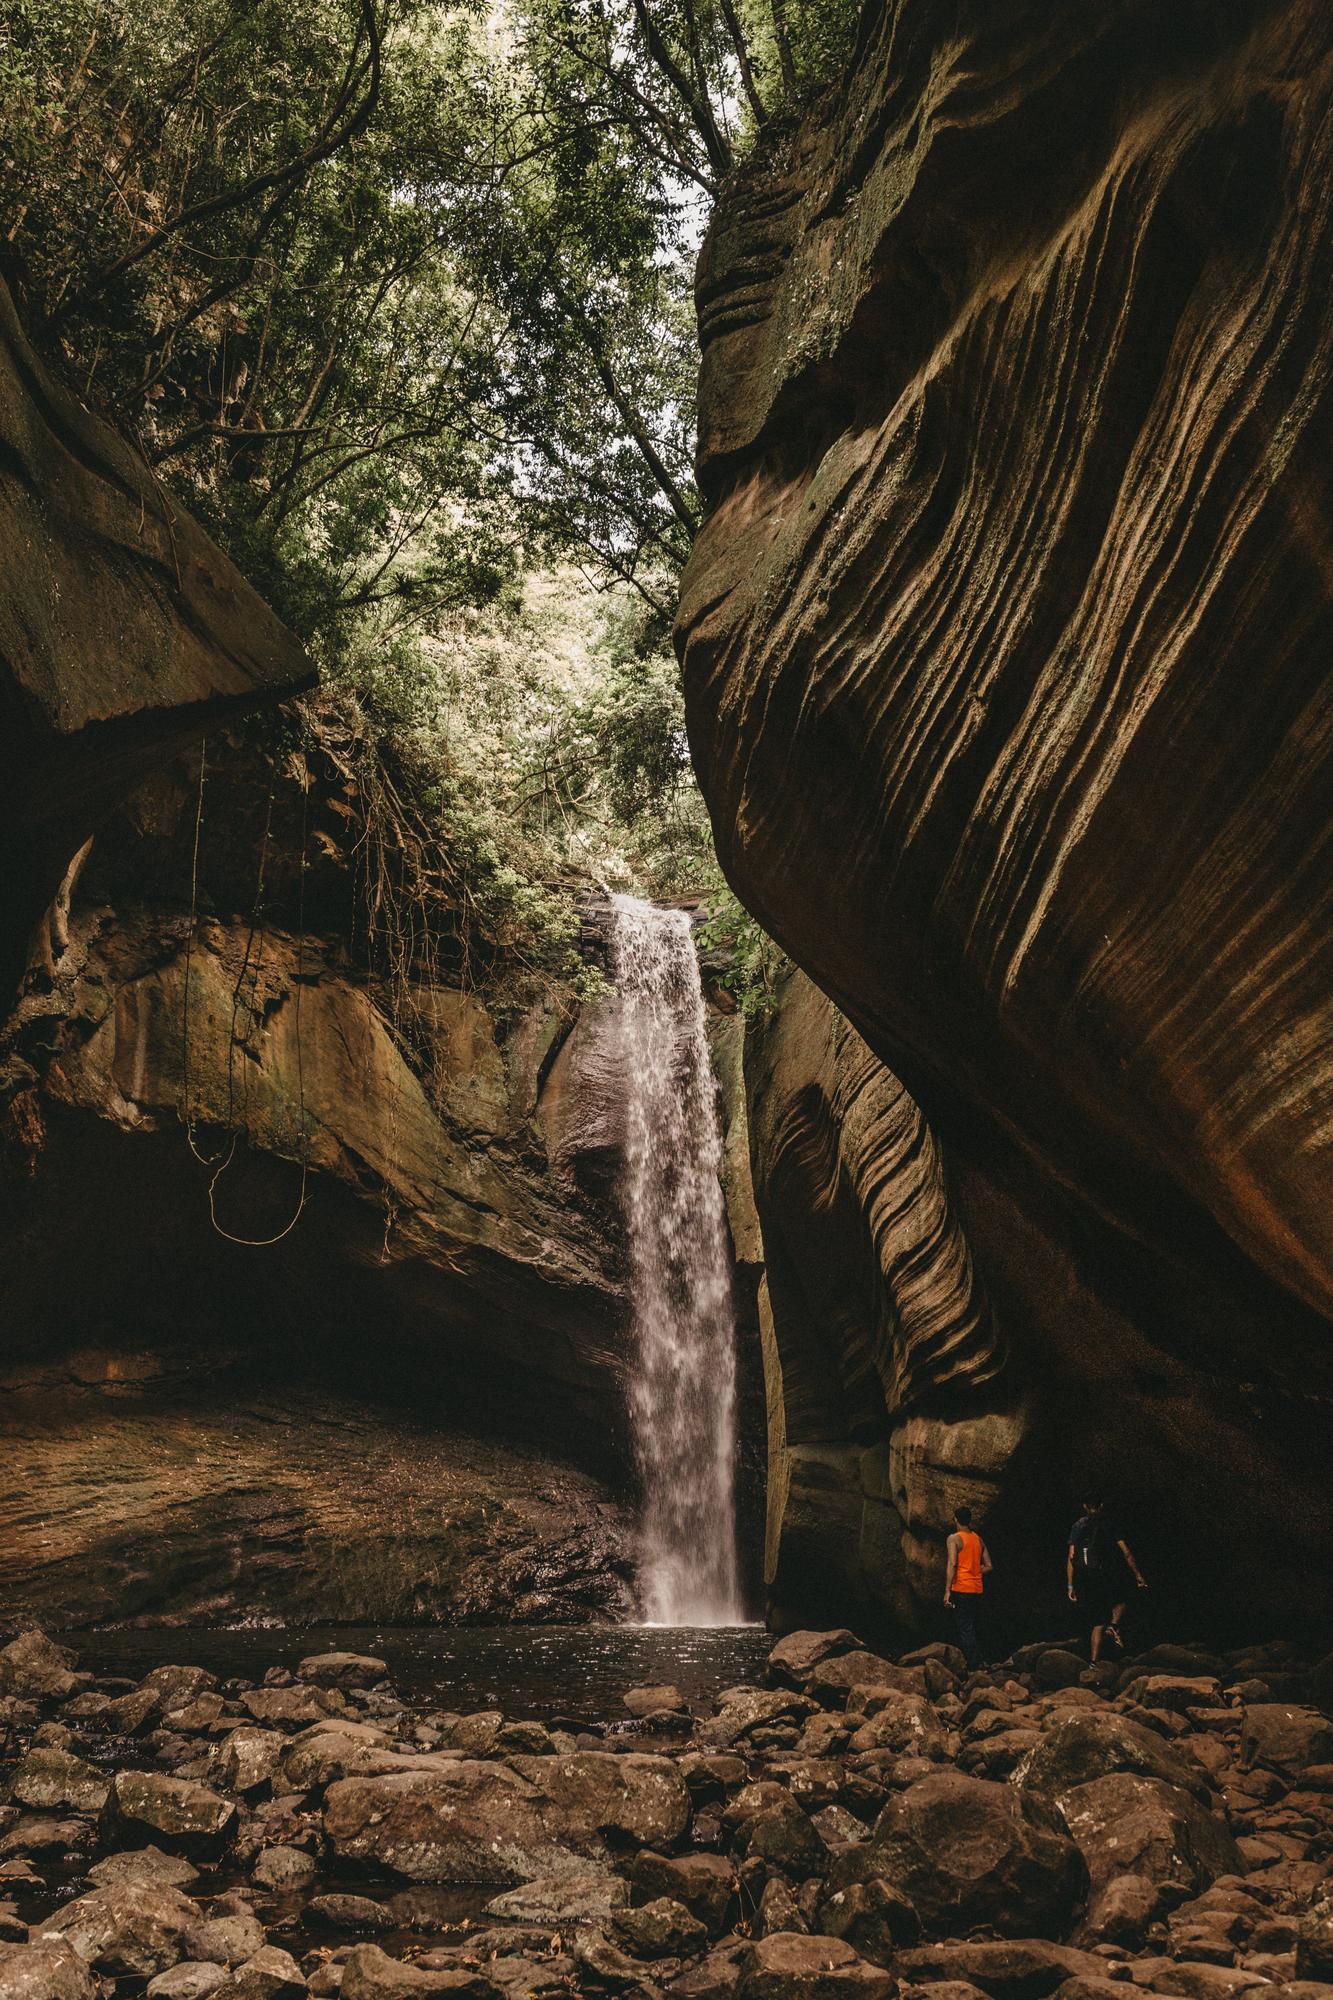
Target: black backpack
x=1097 y=1544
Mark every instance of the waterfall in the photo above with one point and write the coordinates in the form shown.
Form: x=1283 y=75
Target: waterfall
x=683 y=1385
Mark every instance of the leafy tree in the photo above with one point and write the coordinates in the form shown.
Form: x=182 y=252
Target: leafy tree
x=396 y=293
x=232 y=224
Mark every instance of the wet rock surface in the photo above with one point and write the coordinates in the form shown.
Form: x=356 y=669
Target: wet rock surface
x=1152 y=1829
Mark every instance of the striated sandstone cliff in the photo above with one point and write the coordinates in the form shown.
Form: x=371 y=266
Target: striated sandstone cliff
x=890 y=1366
x=123 y=630
x=410 y=1404
x=1006 y=647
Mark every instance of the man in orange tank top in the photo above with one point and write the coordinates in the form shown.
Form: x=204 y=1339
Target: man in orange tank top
x=969 y=1566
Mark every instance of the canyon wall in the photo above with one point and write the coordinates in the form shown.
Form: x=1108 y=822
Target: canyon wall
x=407 y=1404
x=294 y=1326
x=1006 y=645
x=123 y=631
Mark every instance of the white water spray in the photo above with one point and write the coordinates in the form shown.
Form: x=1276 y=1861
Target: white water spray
x=683 y=1387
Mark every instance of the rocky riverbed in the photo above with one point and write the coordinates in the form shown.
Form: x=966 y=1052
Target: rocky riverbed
x=849 y=1828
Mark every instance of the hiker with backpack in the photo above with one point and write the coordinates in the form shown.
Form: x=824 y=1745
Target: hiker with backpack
x=1100 y=1566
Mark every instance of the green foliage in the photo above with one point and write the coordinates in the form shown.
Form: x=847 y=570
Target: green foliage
x=392 y=289
x=750 y=962
x=396 y=294
x=545 y=741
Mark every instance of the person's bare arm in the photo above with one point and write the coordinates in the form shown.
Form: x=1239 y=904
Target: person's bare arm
x=1070 y=1574
x=951 y=1547
x=1137 y=1574
x=986 y=1564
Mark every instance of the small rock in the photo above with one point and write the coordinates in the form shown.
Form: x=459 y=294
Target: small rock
x=531 y=1979
x=370 y=1974
x=1125 y=1824
x=338 y=1748
x=173 y=1687
x=778 y=1910
x=590 y=1897
x=836 y=1826
x=36 y=1669
x=660 y=1929
x=248 y=1757
x=282 y=1868
x=272 y=1974
x=349 y=1913
x=1054 y=1667
x=190 y=1980
x=130 y=1714
x=641 y=1701
x=781 y=1835
x=51 y=1970
x=144 y=1864
x=1285 y=1737
x=1177 y=1693
x=1205 y=1982
x=39 y=1834
x=174 y=1813
x=1124 y=1911
x=966 y=1852
x=129 y=1927
x=835 y=1678
x=902 y=1722
x=604 y=1962
x=530 y=1738
x=1007 y=1969
x=292 y=1708
x=716 y=1977
x=949 y=1657
x=1087 y=1989
x=704 y=1883
x=195 y=1716
x=1314 y=1942
x=230 y=1935
x=1076 y=1749
x=342 y=1670
x=750 y=1709
x=56 y=1779
x=796 y=1656
x=871 y=1915
x=788 y=1966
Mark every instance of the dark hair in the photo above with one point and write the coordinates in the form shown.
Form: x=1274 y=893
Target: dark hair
x=963 y=1514
x=1093 y=1500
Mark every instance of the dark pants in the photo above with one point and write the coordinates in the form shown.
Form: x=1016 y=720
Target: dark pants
x=966 y=1605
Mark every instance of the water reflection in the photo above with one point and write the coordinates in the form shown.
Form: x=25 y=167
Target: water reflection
x=528 y=1671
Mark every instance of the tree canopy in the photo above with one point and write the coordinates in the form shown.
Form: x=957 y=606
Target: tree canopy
x=396 y=295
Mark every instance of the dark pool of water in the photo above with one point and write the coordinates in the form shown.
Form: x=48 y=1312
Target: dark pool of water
x=529 y=1671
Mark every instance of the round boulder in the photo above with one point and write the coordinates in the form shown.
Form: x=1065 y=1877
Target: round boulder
x=966 y=1853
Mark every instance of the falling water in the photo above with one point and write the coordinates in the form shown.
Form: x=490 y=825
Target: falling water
x=683 y=1389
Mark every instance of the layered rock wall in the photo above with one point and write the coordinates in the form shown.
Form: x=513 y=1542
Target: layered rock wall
x=292 y=1325
x=891 y=1370
x=1006 y=650
x=123 y=630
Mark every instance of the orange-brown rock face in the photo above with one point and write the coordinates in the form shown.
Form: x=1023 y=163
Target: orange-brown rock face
x=291 y=1326
x=123 y=630
x=1007 y=649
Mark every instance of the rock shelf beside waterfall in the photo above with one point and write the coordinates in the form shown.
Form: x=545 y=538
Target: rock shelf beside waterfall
x=855 y=1826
